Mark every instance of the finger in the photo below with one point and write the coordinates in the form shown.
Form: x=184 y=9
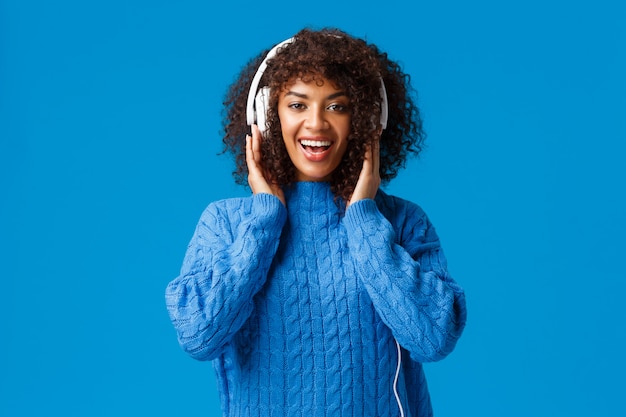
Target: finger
x=367 y=161
x=248 y=149
x=376 y=157
x=256 y=144
x=258 y=153
x=250 y=155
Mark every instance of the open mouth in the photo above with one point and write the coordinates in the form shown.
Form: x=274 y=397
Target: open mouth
x=315 y=146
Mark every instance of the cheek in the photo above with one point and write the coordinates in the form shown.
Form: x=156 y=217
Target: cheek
x=344 y=148
x=345 y=126
x=345 y=131
x=286 y=123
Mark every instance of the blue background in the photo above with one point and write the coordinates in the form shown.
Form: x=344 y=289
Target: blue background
x=109 y=130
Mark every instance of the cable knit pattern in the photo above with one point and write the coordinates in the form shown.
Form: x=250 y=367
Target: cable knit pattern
x=300 y=308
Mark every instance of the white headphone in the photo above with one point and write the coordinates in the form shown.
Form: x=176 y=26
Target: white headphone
x=258 y=102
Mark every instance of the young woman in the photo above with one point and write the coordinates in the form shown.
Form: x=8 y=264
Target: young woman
x=319 y=294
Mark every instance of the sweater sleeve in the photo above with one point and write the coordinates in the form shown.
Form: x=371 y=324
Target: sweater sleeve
x=405 y=274
x=225 y=265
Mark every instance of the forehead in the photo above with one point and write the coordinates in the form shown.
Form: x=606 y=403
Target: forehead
x=319 y=83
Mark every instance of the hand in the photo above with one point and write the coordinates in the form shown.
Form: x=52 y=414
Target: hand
x=257 y=176
x=369 y=179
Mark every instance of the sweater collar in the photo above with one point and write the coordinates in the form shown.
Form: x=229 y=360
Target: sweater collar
x=309 y=196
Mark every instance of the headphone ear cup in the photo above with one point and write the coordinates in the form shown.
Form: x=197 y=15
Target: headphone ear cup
x=262 y=105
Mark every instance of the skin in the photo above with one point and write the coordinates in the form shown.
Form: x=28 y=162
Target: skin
x=319 y=112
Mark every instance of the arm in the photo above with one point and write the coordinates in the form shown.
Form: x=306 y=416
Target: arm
x=225 y=265
x=406 y=277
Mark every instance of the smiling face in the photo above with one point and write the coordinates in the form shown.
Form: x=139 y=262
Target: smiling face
x=315 y=122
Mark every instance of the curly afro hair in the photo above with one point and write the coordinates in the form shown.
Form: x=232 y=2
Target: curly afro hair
x=354 y=66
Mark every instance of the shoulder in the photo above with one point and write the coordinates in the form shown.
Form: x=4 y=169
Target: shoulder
x=409 y=220
x=264 y=209
x=229 y=208
x=393 y=207
x=219 y=218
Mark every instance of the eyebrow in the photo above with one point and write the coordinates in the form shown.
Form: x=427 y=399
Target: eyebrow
x=304 y=96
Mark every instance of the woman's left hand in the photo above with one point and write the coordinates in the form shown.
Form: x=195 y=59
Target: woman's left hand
x=369 y=179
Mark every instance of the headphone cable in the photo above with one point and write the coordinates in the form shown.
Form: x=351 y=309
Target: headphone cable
x=395 y=381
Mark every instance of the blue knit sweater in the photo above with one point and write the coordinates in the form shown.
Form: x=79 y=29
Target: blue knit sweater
x=300 y=307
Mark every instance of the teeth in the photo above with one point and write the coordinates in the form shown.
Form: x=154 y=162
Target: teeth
x=315 y=143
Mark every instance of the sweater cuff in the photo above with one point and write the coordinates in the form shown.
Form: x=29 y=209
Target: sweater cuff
x=269 y=208
x=361 y=212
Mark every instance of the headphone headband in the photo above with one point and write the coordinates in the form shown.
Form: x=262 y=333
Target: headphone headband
x=258 y=101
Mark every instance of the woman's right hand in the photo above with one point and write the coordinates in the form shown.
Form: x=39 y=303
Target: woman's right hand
x=257 y=176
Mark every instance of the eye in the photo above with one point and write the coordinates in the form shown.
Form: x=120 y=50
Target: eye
x=296 y=106
x=338 y=107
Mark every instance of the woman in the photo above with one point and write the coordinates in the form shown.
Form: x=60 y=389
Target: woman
x=319 y=294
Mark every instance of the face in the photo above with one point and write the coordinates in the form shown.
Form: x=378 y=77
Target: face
x=315 y=121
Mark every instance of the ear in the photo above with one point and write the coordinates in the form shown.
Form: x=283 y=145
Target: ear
x=261 y=106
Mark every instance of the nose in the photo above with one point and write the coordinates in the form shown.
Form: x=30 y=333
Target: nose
x=316 y=119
